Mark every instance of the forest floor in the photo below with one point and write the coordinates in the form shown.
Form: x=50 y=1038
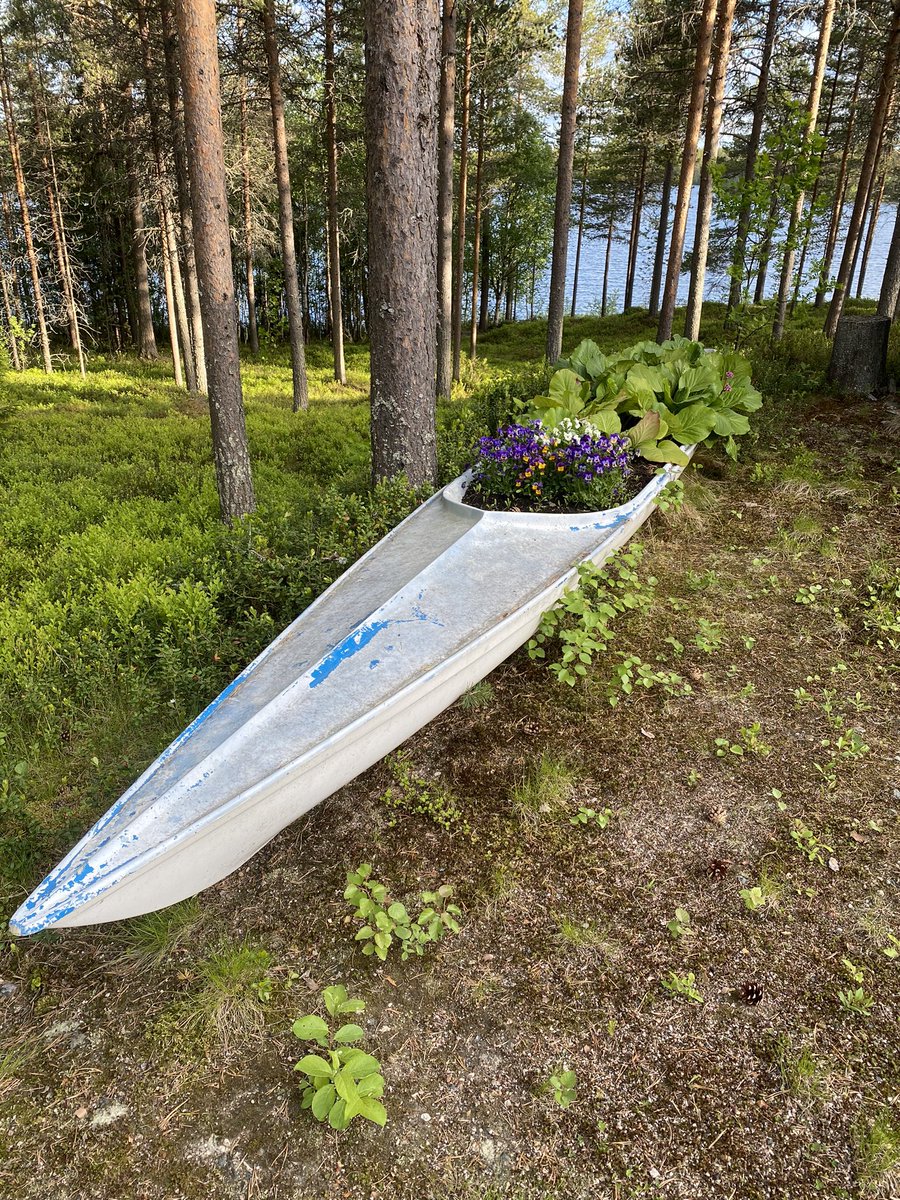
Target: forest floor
x=154 y=1059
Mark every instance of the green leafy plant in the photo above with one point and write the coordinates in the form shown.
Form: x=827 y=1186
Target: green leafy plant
x=857 y=1001
x=347 y=1083
x=661 y=397
x=671 y=498
x=753 y=898
x=426 y=798
x=680 y=925
x=684 y=986
x=563 y=1086
x=592 y=816
x=386 y=921
x=709 y=636
x=808 y=843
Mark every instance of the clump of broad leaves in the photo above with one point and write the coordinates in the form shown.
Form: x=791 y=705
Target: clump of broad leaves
x=660 y=396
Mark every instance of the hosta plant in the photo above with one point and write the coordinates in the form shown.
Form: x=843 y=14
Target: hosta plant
x=343 y=1082
x=661 y=397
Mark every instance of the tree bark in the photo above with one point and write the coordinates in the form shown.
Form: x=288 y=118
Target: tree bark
x=476 y=231
x=402 y=72
x=665 y=201
x=19 y=180
x=890 y=284
x=460 y=264
x=581 y=205
x=753 y=144
x=14 y=357
x=840 y=193
x=882 y=103
x=562 y=212
x=812 y=115
x=146 y=337
x=57 y=219
x=203 y=125
x=609 y=241
x=334 y=244
x=285 y=212
x=445 y=201
x=179 y=332
x=246 y=207
x=634 y=239
x=724 y=23
x=858 y=364
x=870 y=235
x=183 y=191
x=688 y=160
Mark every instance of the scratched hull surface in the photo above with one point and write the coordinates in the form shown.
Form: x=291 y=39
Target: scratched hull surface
x=429 y=611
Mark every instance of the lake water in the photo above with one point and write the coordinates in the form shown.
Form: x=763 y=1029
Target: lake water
x=593 y=251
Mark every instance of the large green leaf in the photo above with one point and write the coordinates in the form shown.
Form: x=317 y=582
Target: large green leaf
x=692 y=424
x=372 y=1110
x=322 y=1101
x=644 y=383
x=568 y=391
x=309 y=1029
x=647 y=429
x=607 y=420
x=349 y=1033
x=314 y=1066
x=588 y=360
x=663 y=452
x=729 y=422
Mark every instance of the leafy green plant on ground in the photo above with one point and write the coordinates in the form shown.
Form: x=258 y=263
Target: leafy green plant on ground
x=386 y=921
x=347 y=1083
x=562 y=1085
x=684 y=986
x=426 y=798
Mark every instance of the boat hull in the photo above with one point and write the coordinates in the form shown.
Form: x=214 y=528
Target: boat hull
x=419 y=619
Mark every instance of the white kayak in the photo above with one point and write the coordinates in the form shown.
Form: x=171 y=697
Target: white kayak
x=416 y=621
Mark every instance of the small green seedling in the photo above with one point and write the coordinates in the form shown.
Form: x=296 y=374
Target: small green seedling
x=592 y=816
x=680 y=925
x=683 y=985
x=753 y=898
x=857 y=1000
x=347 y=1083
x=563 y=1085
x=386 y=921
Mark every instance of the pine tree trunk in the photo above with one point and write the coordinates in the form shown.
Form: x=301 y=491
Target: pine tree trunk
x=870 y=235
x=635 y=238
x=812 y=115
x=445 y=200
x=581 y=205
x=246 y=207
x=817 y=182
x=724 y=23
x=146 y=338
x=203 y=126
x=840 y=194
x=753 y=143
x=170 y=307
x=665 y=201
x=14 y=357
x=460 y=264
x=12 y=247
x=183 y=192
x=889 y=297
x=562 y=212
x=334 y=248
x=765 y=246
x=609 y=241
x=476 y=231
x=685 y=179
x=19 y=180
x=402 y=75
x=285 y=212
x=57 y=220
x=879 y=115
x=485 y=260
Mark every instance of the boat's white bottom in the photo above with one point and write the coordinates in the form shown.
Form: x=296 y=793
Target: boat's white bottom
x=420 y=618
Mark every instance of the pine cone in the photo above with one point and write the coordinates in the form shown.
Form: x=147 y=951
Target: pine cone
x=716 y=814
x=717 y=868
x=750 y=993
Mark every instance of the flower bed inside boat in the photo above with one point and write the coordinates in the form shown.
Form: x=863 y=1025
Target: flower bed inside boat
x=595 y=440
